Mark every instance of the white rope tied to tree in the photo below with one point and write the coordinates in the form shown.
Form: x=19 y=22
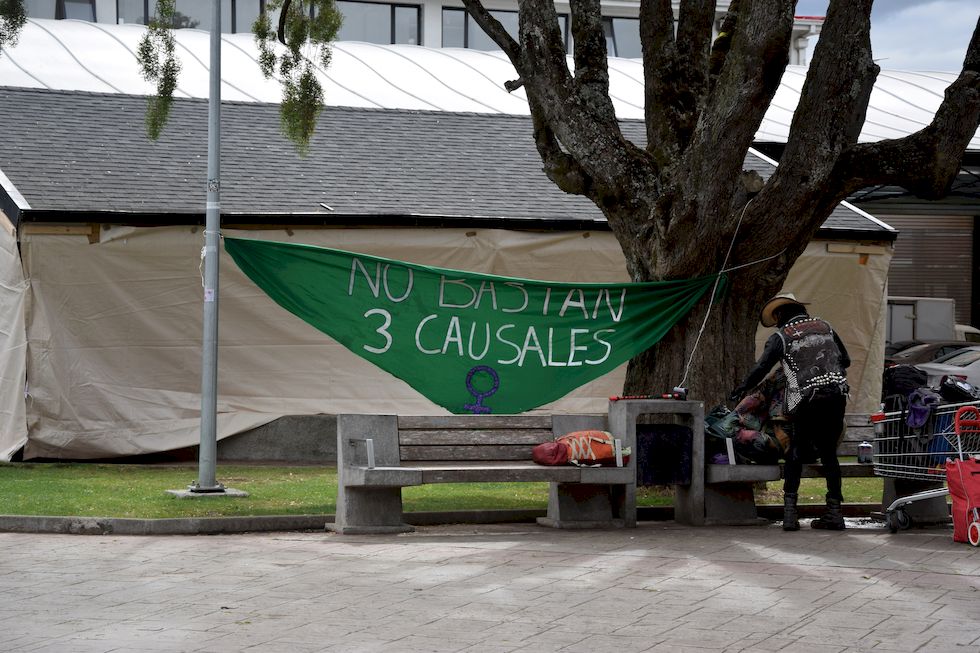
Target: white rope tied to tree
x=714 y=289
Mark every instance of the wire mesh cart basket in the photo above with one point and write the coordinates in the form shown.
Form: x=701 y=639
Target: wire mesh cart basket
x=901 y=451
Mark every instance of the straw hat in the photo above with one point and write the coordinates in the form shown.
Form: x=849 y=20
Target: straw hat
x=768 y=317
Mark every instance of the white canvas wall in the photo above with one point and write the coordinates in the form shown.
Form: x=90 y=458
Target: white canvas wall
x=13 y=344
x=115 y=327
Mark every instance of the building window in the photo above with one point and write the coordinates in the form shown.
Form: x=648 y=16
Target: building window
x=77 y=9
x=406 y=25
x=453 y=28
x=459 y=30
x=197 y=15
x=622 y=37
x=236 y=15
x=61 y=9
x=244 y=15
x=131 y=12
x=378 y=23
x=40 y=8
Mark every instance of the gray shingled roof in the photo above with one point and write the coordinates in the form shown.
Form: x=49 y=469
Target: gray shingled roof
x=79 y=152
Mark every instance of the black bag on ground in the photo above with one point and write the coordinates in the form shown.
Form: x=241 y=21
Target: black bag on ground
x=902 y=380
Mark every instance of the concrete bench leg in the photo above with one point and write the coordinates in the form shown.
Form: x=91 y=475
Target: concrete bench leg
x=585 y=505
x=580 y=505
x=367 y=510
x=689 y=502
x=730 y=504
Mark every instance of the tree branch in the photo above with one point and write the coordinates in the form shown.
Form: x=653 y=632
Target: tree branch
x=749 y=68
x=590 y=56
x=283 y=15
x=560 y=167
x=744 y=86
x=543 y=44
x=693 y=46
x=675 y=73
x=722 y=44
x=576 y=131
x=494 y=30
x=926 y=162
x=659 y=78
x=834 y=99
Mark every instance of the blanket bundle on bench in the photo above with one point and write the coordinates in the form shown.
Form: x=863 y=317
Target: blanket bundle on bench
x=583 y=448
x=758 y=429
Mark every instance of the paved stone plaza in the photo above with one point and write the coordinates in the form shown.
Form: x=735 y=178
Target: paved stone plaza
x=660 y=587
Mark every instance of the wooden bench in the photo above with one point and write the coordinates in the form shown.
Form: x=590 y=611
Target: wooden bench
x=378 y=455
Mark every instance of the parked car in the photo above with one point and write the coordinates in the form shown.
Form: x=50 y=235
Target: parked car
x=926 y=352
x=963 y=364
x=893 y=348
x=967 y=332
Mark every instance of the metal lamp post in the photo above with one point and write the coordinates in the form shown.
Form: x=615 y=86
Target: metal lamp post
x=206 y=481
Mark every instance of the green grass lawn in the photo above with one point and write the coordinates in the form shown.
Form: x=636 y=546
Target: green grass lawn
x=103 y=490
x=812 y=490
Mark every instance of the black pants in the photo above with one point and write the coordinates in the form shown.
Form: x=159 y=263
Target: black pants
x=817 y=425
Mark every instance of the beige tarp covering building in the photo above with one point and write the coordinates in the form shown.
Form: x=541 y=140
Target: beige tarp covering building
x=114 y=328
x=13 y=344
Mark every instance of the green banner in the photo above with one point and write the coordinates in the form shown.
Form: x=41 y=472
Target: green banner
x=470 y=342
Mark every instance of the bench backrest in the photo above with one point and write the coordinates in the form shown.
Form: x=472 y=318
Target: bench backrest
x=858 y=430
x=453 y=438
x=476 y=437
x=484 y=437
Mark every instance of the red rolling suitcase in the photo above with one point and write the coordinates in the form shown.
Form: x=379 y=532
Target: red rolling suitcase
x=963 y=479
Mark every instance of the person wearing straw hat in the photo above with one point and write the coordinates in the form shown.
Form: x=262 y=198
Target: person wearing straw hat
x=814 y=361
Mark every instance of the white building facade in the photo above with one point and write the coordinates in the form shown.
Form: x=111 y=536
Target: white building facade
x=432 y=23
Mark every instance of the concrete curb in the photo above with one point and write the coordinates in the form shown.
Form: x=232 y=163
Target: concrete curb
x=181 y=526
x=224 y=525
x=266 y=523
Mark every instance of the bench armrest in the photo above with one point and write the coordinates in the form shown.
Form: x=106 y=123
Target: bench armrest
x=378 y=434
x=369 y=446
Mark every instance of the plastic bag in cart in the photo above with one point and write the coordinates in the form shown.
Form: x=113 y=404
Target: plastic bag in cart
x=963 y=480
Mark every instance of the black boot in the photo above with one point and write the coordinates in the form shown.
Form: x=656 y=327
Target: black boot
x=833 y=520
x=791 y=520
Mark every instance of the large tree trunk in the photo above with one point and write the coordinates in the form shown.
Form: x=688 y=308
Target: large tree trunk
x=680 y=205
x=718 y=354
x=712 y=349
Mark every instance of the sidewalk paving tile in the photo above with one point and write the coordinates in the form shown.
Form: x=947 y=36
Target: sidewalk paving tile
x=493 y=589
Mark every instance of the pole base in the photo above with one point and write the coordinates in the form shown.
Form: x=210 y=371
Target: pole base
x=213 y=489
x=197 y=494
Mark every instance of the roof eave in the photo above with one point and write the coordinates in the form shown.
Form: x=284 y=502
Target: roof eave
x=313 y=219
x=320 y=219
x=883 y=235
x=12 y=203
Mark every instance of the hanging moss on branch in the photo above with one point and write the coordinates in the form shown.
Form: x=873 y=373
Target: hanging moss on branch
x=306 y=29
x=12 y=19
x=159 y=65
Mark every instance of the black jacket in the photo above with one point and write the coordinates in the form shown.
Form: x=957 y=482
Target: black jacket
x=772 y=354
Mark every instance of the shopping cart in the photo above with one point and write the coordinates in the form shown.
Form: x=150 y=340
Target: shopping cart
x=919 y=453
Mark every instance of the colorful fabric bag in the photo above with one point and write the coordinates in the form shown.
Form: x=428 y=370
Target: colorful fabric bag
x=583 y=448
